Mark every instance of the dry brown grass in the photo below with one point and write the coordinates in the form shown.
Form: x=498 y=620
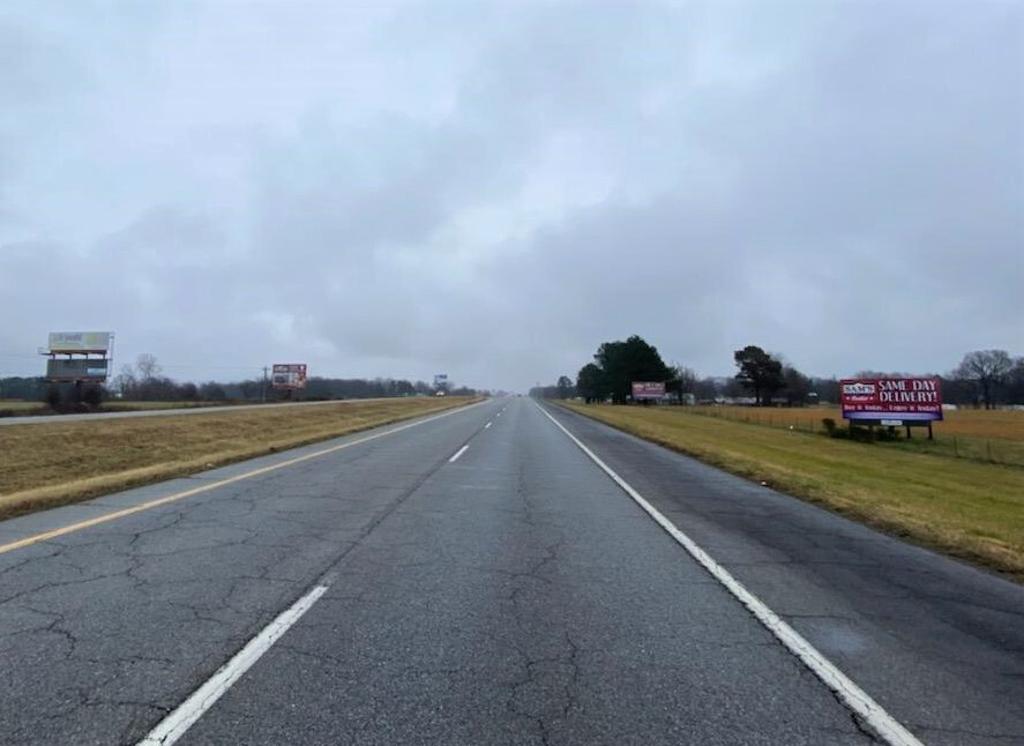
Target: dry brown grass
x=995 y=436
x=966 y=508
x=48 y=464
x=976 y=423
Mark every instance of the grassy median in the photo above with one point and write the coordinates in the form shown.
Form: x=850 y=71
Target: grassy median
x=48 y=464
x=966 y=508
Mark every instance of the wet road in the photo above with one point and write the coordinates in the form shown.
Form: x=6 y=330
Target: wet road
x=478 y=578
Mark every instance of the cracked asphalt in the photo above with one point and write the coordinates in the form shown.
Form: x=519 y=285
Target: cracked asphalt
x=513 y=596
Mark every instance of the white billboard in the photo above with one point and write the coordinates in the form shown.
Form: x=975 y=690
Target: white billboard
x=80 y=342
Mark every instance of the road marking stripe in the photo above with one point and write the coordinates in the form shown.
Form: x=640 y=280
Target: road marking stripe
x=175 y=725
x=855 y=698
x=458 y=453
x=488 y=425
x=107 y=517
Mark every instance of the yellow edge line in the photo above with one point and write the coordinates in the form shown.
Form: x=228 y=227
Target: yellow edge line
x=106 y=518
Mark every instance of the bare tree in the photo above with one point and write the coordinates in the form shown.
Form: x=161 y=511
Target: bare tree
x=147 y=366
x=684 y=381
x=987 y=369
x=126 y=381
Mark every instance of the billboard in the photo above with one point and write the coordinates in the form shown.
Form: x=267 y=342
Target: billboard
x=78 y=369
x=289 y=376
x=895 y=401
x=80 y=342
x=648 y=389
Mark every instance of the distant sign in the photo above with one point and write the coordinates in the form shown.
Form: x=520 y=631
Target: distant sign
x=906 y=400
x=289 y=376
x=59 y=370
x=648 y=389
x=80 y=342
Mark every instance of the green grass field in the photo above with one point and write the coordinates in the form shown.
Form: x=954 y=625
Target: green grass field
x=53 y=463
x=967 y=508
x=19 y=406
x=993 y=436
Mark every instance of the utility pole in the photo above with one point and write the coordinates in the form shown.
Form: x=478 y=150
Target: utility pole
x=263 y=396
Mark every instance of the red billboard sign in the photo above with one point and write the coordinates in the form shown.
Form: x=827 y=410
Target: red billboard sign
x=289 y=376
x=648 y=389
x=893 y=399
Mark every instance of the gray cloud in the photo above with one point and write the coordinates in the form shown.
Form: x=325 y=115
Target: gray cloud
x=494 y=189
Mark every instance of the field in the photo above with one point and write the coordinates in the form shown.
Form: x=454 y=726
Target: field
x=994 y=436
x=47 y=464
x=965 y=507
x=18 y=406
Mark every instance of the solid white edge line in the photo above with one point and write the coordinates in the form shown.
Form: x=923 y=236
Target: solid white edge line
x=458 y=453
x=175 y=725
x=855 y=698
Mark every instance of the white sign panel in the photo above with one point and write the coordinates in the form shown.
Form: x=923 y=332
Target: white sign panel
x=80 y=341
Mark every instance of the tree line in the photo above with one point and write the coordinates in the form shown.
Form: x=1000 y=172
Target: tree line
x=145 y=381
x=983 y=378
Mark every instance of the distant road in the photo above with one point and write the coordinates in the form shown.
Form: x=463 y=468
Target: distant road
x=498 y=574
x=40 y=419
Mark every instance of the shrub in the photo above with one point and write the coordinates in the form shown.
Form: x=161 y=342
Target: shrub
x=93 y=396
x=53 y=397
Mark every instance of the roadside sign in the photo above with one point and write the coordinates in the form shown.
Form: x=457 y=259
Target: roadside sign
x=903 y=401
x=648 y=390
x=79 y=342
x=59 y=370
x=289 y=376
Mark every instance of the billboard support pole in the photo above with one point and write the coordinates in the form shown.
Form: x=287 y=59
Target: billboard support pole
x=263 y=390
x=110 y=364
x=930 y=436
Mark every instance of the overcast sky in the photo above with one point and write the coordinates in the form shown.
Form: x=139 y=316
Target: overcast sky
x=493 y=189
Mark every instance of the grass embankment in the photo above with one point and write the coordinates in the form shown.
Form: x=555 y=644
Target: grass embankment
x=48 y=464
x=16 y=407
x=993 y=436
x=966 y=508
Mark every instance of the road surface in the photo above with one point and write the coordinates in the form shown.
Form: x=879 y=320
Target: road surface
x=477 y=577
x=172 y=412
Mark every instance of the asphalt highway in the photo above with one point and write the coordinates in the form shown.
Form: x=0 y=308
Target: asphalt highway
x=478 y=578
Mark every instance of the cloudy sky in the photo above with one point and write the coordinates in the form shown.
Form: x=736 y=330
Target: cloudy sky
x=493 y=189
